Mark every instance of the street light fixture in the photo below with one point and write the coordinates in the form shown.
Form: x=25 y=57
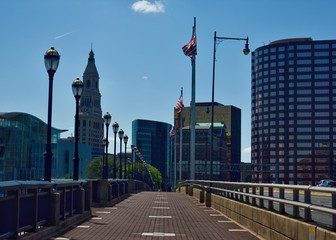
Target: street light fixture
x=125 y=169
x=51 y=61
x=115 y=127
x=121 y=135
x=107 y=120
x=246 y=51
x=103 y=170
x=77 y=89
x=132 y=158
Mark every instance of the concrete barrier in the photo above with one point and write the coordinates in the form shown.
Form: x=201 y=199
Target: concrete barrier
x=269 y=225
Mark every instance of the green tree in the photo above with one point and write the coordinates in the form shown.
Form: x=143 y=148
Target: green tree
x=156 y=175
x=95 y=167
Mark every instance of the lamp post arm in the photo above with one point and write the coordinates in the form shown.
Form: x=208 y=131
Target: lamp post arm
x=229 y=38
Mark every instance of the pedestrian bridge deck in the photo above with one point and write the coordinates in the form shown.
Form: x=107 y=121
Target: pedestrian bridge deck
x=152 y=215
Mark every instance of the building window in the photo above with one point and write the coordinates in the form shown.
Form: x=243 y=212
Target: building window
x=303 y=47
x=321 y=54
x=321 y=46
x=321 y=61
x=304 y=54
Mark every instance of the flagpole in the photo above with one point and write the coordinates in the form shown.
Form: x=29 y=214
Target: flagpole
x=181 y=143
x=192 y=127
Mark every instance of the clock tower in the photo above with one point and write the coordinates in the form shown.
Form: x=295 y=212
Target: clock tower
x=91 y=122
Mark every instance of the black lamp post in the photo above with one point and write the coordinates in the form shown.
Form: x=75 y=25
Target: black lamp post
x=107 y=120
x=77 y=89
x=125 y=167
x=246 y=51
x=132 y=159
x=121 y=135
x=115 y=131
x=103 y=170
x=51 y=61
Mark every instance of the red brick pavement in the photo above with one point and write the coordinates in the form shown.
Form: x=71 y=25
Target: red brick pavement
x=157 y=215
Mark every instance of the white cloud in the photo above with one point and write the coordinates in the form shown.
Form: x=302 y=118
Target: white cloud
x=247 y=150
x=145 y=6
x=144 y=78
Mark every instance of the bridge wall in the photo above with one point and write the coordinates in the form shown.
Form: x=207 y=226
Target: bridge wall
x=267 y=224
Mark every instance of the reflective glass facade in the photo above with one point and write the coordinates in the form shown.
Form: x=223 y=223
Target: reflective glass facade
x=293 y=116
x=22 y=146
x=153 y=140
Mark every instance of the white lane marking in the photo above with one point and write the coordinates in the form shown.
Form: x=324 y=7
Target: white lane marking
x=159 y=202
x=96 y=218
x=159 y=234
x=160 y=216
x=228 y=221
x=110 y=208
x=103 y=212
x=83 y=226
x=161 y=207
x=237 y=230
x=59 y=238
x=216 y=215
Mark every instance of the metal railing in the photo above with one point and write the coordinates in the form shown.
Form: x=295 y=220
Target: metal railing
x=311 y=203
x=25 y=206
x=28 y=206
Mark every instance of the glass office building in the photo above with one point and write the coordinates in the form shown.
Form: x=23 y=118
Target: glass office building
x=153 y=141
x=293 y=111
x=22 y=146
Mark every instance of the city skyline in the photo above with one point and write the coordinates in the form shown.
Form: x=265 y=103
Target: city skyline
x=137 y=46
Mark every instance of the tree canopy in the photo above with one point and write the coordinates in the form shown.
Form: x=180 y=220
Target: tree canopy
x=94 y=170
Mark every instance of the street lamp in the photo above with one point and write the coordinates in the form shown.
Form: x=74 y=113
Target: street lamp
x=115 y=127
x=133 y=148
x=107 y=120
x=246 y=51
x=121 y=135
x=103 y=170
x=125 y=170
x=77 y=89
x=51 y=61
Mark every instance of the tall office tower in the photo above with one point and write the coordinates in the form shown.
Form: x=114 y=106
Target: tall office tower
x=293 y=116
x=153 y=141
x=230 y=116
x=91 y=122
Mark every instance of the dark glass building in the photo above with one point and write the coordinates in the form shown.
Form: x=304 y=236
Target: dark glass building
x=153 y=141
x=293 y=116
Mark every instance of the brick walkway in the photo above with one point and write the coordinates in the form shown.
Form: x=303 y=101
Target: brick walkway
x=157 y=215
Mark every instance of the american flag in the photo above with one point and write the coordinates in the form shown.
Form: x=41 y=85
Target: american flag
x=172 y=132
x=190 y=49
x=179 y=105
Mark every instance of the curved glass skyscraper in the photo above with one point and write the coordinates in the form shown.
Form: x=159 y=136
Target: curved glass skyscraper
x=293 y=111
x=153 y=140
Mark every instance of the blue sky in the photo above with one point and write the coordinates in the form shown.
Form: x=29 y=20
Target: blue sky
x=137 y=46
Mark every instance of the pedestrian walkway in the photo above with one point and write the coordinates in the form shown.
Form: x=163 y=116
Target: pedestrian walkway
x=157 y=215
